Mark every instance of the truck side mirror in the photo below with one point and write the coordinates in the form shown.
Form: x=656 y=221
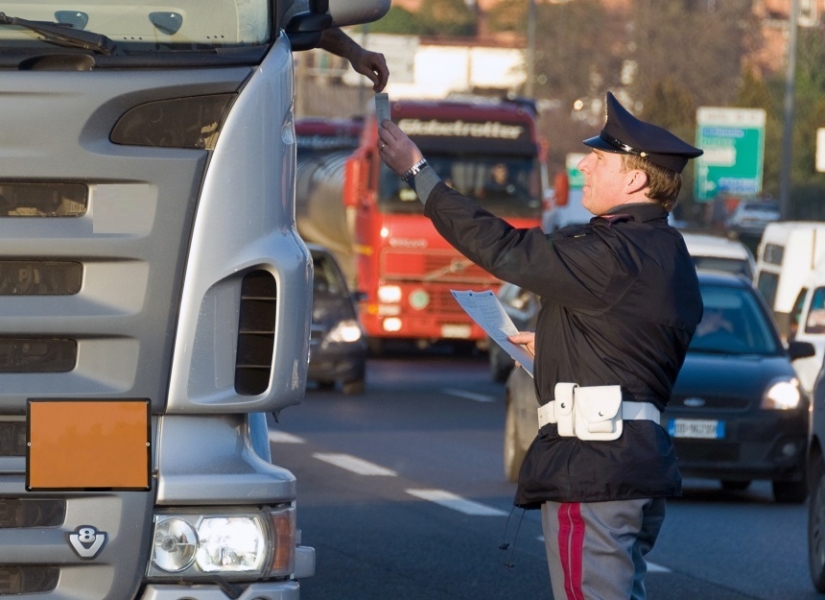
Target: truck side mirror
x=352 y=180
x=562 y=186
x=304 y=29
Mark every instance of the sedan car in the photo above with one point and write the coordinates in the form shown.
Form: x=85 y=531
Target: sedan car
x=737 y=412
x=750 y=217
x=338 y=346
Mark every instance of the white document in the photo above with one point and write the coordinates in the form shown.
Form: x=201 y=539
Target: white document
x=485 y=309
x=382 y=107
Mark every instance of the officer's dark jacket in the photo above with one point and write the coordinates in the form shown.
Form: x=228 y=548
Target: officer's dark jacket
x=620 y=302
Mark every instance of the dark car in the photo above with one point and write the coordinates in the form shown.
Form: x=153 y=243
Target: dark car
x=338 y=346
x=737 y=412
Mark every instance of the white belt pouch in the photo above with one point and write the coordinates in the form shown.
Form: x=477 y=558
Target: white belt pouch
x=588 y=413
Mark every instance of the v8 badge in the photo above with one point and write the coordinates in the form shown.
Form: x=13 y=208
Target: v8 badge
x=87 y=541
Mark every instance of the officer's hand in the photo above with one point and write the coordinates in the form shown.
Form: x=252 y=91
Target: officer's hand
x=526 y=339
x=397 y=150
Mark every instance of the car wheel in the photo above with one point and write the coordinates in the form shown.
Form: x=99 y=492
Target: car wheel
x=816 y=525
x=790 y=492
x=353 y=388
x=513 y=452
x=735 y=486
x=326 y=385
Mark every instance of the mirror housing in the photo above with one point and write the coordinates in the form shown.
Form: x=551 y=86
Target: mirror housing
x=798 y=350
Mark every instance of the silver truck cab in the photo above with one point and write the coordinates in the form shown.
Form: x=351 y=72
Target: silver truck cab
x=154 y=296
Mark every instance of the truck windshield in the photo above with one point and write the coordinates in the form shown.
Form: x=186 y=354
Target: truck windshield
x=144 y=26
x=507 y=186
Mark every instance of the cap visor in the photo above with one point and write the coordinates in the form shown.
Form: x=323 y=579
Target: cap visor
x=599 y=144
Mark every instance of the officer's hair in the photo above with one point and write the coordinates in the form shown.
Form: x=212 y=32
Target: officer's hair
x=663 y=185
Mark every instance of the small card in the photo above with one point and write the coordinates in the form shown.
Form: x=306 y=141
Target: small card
x=382 y=107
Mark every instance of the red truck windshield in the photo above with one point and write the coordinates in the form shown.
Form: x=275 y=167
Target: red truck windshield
x=507 y=186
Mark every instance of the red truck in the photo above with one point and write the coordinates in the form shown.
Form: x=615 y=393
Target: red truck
x=404 y=270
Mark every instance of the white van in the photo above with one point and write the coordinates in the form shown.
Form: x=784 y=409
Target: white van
x=788 y=253
x=807 y=324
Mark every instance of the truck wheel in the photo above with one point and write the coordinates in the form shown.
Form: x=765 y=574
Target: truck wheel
x=513 y=452
x=816 y=525
x=375 y=346
x=353 y=388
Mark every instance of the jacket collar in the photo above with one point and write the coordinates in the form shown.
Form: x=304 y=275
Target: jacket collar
x=640 y=211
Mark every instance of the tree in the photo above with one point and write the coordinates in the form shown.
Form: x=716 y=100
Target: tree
x=398 y=21
x=447 y=18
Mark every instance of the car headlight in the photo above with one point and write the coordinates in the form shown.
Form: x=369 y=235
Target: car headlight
x=232 y=545
x=389 y=293
x=782 y=395
x=345 y=331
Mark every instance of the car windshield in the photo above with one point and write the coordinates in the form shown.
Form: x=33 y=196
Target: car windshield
x=146 y=26
x=507 y=186
x=327 y=279
x=732 y=323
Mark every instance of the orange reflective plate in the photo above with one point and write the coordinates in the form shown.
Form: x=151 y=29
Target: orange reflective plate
x=85 y=444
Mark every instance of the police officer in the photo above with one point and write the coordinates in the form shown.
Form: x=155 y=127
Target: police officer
x=620 y=303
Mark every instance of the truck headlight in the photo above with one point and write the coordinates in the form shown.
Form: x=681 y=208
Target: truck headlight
x=389 y=294
x=233 y=545
x=782 y=395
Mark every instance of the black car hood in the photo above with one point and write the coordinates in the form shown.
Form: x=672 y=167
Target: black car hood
x=730 y=375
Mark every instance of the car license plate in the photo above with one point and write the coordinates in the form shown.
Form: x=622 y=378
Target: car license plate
x=696 y=428
x=455 y=331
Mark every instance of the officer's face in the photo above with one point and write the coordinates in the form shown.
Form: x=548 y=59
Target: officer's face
x=604 y=181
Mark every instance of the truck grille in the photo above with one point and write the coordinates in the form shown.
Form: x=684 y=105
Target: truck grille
x=28 y=580
x=256 y=333
x=443 y=266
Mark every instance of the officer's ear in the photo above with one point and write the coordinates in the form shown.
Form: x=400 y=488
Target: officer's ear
x=636 y=181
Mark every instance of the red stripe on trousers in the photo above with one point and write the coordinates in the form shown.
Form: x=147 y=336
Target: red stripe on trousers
x=571 y=545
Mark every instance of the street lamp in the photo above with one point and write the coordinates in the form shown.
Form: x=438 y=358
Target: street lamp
x=787 y=133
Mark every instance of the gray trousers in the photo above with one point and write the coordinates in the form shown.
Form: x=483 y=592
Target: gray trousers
x=596 y=550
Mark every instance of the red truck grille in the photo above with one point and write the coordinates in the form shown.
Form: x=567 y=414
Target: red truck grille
x=435 y=266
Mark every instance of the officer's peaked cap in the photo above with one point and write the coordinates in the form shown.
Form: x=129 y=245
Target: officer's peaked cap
x=625 y=134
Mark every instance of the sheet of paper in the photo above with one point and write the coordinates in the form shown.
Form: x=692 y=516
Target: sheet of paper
x=382 y=107
x=486 y=310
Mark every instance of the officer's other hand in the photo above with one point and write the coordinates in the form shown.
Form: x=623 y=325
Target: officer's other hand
x=372 y=65
x=397 y=150
x=526 y=339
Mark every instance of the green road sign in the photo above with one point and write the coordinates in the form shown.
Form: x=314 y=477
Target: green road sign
x=734 y=143
x=574 y=176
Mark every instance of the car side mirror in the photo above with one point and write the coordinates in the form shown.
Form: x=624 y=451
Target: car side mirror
x=800 y=350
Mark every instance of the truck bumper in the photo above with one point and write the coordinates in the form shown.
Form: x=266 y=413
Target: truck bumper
x=275 y=590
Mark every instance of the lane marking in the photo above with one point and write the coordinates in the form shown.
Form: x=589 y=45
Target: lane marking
x=468 y=395
x=282 y=437
x=450 y=500
x=354 y=464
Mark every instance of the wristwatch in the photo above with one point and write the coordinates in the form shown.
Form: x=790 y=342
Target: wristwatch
x=414 y=170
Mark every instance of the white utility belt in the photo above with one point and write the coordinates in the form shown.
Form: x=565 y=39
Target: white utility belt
x=594 y=412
